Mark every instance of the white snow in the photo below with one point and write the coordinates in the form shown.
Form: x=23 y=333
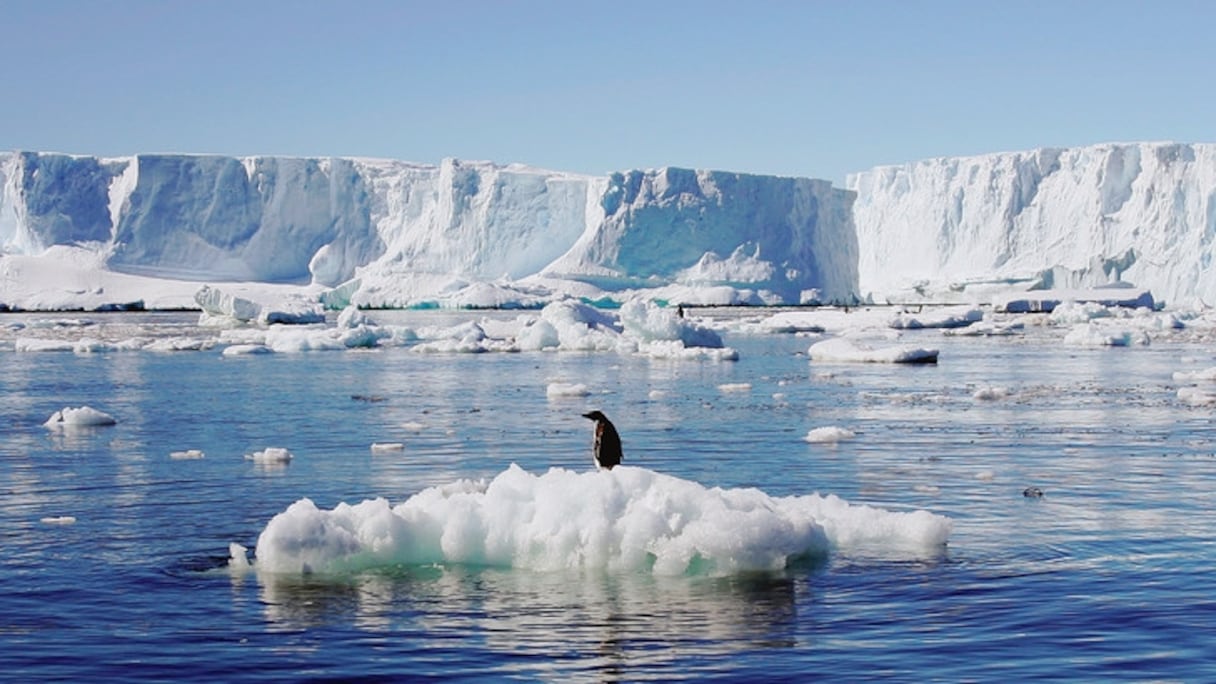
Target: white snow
x=84 y=416
x=628 y=519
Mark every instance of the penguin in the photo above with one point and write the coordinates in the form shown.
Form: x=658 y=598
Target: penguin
x=607 y=441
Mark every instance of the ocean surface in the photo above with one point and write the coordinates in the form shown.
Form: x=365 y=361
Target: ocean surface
x=1108 y=576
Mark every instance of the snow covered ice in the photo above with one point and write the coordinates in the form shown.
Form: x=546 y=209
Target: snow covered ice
x=829 y=434
x=124 y=233
x=628 y=519
x=81 y=417
x=383 y=233
x=1046 y=218
x=843 y=350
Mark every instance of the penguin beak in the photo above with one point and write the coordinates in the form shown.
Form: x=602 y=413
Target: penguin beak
x=589 y=416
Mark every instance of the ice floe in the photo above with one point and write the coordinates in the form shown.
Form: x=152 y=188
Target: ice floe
x=843 y=350
x=83 y=416
x=829 y=434
x=628 y=519
x=270 y=455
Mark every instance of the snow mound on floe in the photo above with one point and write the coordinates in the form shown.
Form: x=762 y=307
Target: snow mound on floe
x=627 y=519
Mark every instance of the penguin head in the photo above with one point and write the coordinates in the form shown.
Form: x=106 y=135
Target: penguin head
x=596 y=416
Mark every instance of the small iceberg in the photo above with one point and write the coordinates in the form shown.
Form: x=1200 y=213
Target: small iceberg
x=270 y=455
x=627 y=520
x=839 y=349
x=566 y=389
x=829 y=435
x=84 y=416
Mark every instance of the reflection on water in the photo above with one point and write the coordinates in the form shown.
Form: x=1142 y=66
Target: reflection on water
x=539 y=624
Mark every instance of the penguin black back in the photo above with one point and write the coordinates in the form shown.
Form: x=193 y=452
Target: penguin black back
x=607 y=442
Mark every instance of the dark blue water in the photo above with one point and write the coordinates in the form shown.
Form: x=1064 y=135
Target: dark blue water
x=1108 y=576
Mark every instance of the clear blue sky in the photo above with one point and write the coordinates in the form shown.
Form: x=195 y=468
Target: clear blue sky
x=791 y=87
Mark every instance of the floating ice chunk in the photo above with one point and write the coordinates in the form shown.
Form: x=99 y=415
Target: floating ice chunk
x=1196 y=396
x=648 y=322
x=187 y=455
x=387 y=447
x=174 y=344
x=219 y=306
x=38 y=344
x=218 y=303
x=538 y=334
x=59 y=520
x=1205 y=375
x=987 y=329
x=238 y=557
x=1047 y=300
x=1074 y=313
x=790 y=322
x=581 y=327
x=829 y=435
x=290 y=338
x=246 y=350
x=270 y=455
x=729 y=387
x=566 y=389
x=1092 y=335
x=85 y=416
x=292 y=311
x=628 y=519
x=470 y=337
x=985 y=476
x=950 y=317
x=990 y=393
x=675 y=349
x=839 y=349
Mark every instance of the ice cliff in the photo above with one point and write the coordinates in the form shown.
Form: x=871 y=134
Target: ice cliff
x=390 y=233
x=1082 y=217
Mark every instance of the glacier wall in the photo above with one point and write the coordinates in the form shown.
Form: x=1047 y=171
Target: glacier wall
x=370 y=225
x=1143 y=213
x=392 y=233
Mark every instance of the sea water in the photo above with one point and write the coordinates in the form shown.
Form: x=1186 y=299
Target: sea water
x=116 y=553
